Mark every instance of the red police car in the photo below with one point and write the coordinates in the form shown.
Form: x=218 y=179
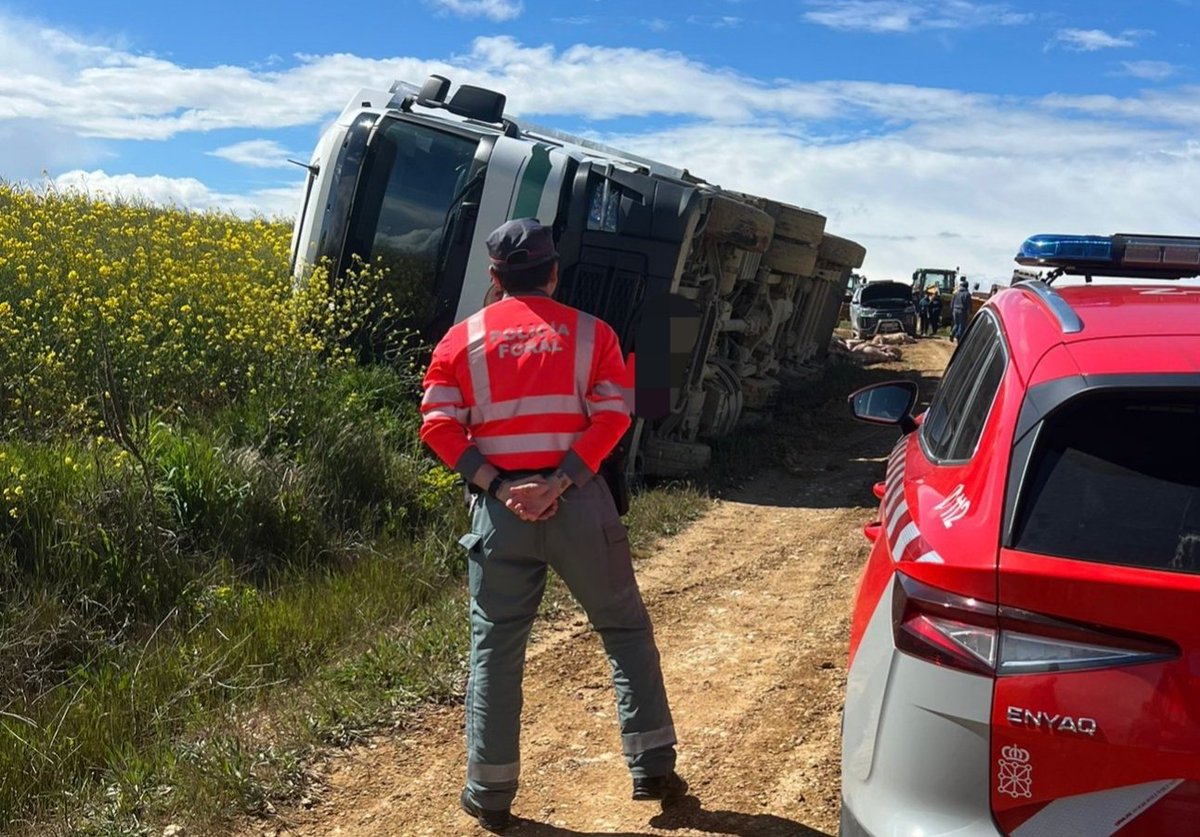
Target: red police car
x=1025 y=644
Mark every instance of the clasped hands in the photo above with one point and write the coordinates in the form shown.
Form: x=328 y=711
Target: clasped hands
x=531 y=498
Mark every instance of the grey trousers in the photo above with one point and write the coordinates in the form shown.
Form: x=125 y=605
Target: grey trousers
x=588 y=546
x=959 y=326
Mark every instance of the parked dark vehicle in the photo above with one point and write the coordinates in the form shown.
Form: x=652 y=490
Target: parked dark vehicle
x=882 y=308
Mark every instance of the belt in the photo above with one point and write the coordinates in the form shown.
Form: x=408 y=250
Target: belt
x=513 y=475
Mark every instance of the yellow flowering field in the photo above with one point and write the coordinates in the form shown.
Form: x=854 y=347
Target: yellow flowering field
x=146 y=307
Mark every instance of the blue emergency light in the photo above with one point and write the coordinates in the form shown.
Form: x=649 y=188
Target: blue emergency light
x=1139 y=256
x=1052 y=249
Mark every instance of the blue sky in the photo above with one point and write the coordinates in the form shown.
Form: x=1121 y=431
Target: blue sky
x=936 y=132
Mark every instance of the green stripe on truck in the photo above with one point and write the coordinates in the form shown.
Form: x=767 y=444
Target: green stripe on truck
x=533 y=181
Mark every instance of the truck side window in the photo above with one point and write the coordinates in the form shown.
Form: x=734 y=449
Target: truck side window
x=960 y=407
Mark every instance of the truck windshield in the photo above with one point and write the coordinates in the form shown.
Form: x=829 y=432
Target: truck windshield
x=411 y=183
x=943 y=280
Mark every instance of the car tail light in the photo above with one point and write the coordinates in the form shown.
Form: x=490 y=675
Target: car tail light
x=943 y=627
x=978 y=636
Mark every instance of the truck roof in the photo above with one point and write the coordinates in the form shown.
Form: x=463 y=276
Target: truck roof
x=367 y=99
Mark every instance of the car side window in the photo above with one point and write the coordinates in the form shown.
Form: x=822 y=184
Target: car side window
x=960 y=407
x=975 y=414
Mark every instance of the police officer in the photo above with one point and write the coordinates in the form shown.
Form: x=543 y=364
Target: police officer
x=523 y=400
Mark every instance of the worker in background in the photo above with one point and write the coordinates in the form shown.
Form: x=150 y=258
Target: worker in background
x=921 y=301
x=522 y=399
x=935 y=309
x=960 y=310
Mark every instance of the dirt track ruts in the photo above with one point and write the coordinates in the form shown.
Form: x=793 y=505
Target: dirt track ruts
x=751 y=606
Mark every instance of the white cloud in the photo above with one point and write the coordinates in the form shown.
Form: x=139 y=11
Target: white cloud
x=910 y=15
x=1149 y=70
x=1178 y=107
x=915 y=173
x=1090 y=40
x=715 y=21
x=259 y=153
x=183 y=192
x=913 y=205
x=121 y=95
x=492 y=9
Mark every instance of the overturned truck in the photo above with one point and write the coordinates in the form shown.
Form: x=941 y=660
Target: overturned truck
x=718 y=297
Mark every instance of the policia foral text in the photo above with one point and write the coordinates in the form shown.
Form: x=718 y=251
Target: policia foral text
x=523 y=399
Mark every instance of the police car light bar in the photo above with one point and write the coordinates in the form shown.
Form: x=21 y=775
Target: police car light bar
x=1138 y=256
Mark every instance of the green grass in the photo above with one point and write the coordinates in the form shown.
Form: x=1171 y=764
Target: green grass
x=147 y=602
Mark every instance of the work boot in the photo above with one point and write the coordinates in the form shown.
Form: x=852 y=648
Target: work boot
x=669 y=788
x=494 y=821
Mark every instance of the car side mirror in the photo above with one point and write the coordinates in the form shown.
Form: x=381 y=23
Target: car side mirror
x=891 y=402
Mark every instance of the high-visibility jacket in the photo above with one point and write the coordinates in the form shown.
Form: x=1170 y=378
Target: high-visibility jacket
x=527 y=383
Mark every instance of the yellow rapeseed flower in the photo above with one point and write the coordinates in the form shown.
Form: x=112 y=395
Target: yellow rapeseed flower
x=177 y=308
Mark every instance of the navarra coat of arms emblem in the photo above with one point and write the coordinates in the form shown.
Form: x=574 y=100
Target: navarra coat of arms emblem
x=1016 y=773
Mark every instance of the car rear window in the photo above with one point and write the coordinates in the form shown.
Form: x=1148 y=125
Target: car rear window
x=1116 y=479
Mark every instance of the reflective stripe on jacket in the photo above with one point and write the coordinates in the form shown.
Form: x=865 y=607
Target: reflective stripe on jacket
x=523 y=382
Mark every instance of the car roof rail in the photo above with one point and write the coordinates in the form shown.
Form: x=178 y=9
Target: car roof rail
x=1068 y=320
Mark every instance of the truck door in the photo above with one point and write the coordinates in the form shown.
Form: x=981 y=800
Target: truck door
x=413 y=210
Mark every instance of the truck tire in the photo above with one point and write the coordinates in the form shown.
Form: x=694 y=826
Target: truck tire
x=787 y=256
x=675 y=459
x=842 y=251
x=738 y=223
x=798 y=224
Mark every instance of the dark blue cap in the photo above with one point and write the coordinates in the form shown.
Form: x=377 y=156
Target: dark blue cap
x=520 y=244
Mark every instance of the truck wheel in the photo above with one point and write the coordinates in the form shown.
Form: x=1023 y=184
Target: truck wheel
x=787 y=256
x=675 y=459
x=738 y=223
x=842 y=251
x=798 y=224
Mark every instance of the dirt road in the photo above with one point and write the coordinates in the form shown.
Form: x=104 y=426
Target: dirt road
x=751 y=607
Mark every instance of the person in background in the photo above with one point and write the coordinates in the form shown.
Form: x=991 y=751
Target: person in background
x=523 y=399
x=935 y=309
x=960 y=311
x=921 y=300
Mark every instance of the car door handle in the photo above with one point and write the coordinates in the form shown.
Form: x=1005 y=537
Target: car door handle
x=879 y=489
x=871 y=530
